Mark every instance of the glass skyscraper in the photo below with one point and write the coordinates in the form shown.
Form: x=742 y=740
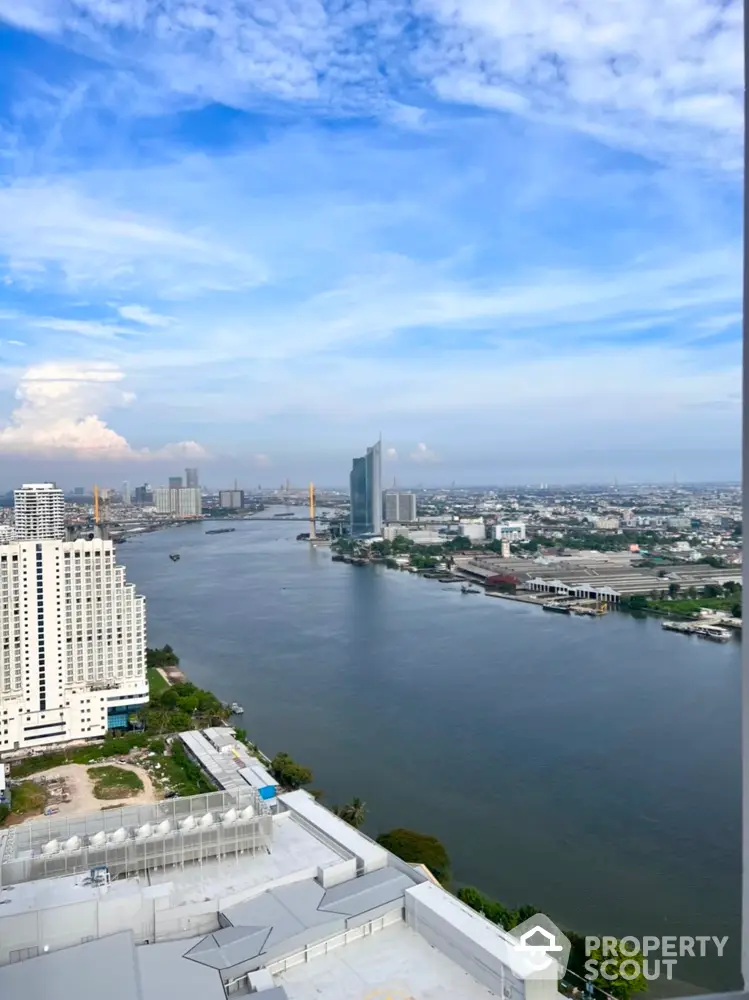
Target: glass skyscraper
x=366 y=492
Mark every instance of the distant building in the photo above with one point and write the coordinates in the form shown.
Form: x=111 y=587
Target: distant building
x=39 y=511
x=505 y=551
x=366 y=493
x=175 y=482
x=126 y=493
x=184 y=502
x=607 y=523
x=78 y=491
x=474 y=530
x=143 y=496
x=231 y=499
x=512 y=531
x=191 y=478
x=398 y=507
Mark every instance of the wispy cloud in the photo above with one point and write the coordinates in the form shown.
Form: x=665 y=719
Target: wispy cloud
x=292 y=227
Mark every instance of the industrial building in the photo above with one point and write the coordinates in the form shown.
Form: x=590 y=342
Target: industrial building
x=366 y=493
x=398 y=507
x=39 y=511
x=595 y=575
x=72 y=643
x=216 y=895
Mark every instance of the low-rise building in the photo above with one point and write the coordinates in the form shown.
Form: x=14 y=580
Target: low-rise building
x=512 y=531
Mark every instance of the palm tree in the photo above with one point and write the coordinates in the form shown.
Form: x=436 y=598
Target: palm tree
x=354 y=812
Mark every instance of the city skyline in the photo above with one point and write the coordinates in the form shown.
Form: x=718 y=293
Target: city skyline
x=508 y=240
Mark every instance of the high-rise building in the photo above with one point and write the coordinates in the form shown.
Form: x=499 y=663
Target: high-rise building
x=126 y=493
x=175 y=482
x=398 y=507
x=39 y=511
x=72 y=643
x=231 y=499
x=184 y=502
x=366 y=492
x=143 y=495
x=191 y=478
x=513 y=531
x=78 y=491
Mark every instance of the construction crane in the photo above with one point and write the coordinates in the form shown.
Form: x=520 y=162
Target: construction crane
x=96 y=506
x=312 y=534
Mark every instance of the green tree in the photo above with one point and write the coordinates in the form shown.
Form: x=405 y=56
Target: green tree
x=692 y=593
x=673 y=590
x=736 y=610
x=637 y=602
x=418 y=848
x=288 y=773
x=612 y=982
x=353 y=812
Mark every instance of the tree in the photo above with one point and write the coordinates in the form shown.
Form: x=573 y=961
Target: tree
x=354 y=812
x=692 y=593
x=637 y=602
x=673 y=590
x=288 y=773
x=612 y=982
x=418 y=848
x=736 y=610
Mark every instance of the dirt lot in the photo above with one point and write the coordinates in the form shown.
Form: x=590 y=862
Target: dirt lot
x=80 y=789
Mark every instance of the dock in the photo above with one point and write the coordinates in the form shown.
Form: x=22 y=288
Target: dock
x=715 y=633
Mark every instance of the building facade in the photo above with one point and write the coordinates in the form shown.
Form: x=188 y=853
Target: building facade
x=175 y=482
x=191 y=478
x=183 y=502
x=39 y=510
x=511 y=531
x=398 y=507
x=72 y=643
x=231 y=499
x=366 y=492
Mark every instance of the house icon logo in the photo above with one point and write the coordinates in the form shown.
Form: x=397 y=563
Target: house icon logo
x=540 y=940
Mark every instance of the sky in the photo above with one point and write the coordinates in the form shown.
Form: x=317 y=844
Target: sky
x=254 y=235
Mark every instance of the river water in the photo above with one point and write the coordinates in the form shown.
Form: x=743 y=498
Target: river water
x=588 y=767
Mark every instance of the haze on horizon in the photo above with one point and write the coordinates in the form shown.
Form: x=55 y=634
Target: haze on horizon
x=507 y=236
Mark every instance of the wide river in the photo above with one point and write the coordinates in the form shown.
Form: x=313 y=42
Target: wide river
x=589 y=767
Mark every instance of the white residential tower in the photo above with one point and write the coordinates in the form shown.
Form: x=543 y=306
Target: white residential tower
x=72 y=643
x=39 y=511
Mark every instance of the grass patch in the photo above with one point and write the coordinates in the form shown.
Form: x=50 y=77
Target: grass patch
x=181 y=774
x=115 y=746
x=157 y=683
x=27 y=798
x=692 y=605
x=114 y=782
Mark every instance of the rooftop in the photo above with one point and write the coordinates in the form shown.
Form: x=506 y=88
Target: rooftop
x=315 y=910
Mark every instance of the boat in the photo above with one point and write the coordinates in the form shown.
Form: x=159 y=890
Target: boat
x=561 y=609
x=289 y=514
x=469 y=590
x=713 y=632
x=236 y=709
x=220 y=531
x=174 y=556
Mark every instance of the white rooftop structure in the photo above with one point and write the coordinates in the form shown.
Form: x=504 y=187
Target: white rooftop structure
x=314 y=908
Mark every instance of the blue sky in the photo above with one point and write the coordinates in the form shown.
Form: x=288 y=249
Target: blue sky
x=252 y=236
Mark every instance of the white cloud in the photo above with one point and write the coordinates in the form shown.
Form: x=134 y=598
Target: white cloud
x=57 y=414
x=144 y=316
x=261 y=460
x=81 y=327
x=663 y=78
x=391 y=454
x=424 y=455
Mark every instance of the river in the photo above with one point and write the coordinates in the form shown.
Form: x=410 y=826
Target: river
x=587 y=766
